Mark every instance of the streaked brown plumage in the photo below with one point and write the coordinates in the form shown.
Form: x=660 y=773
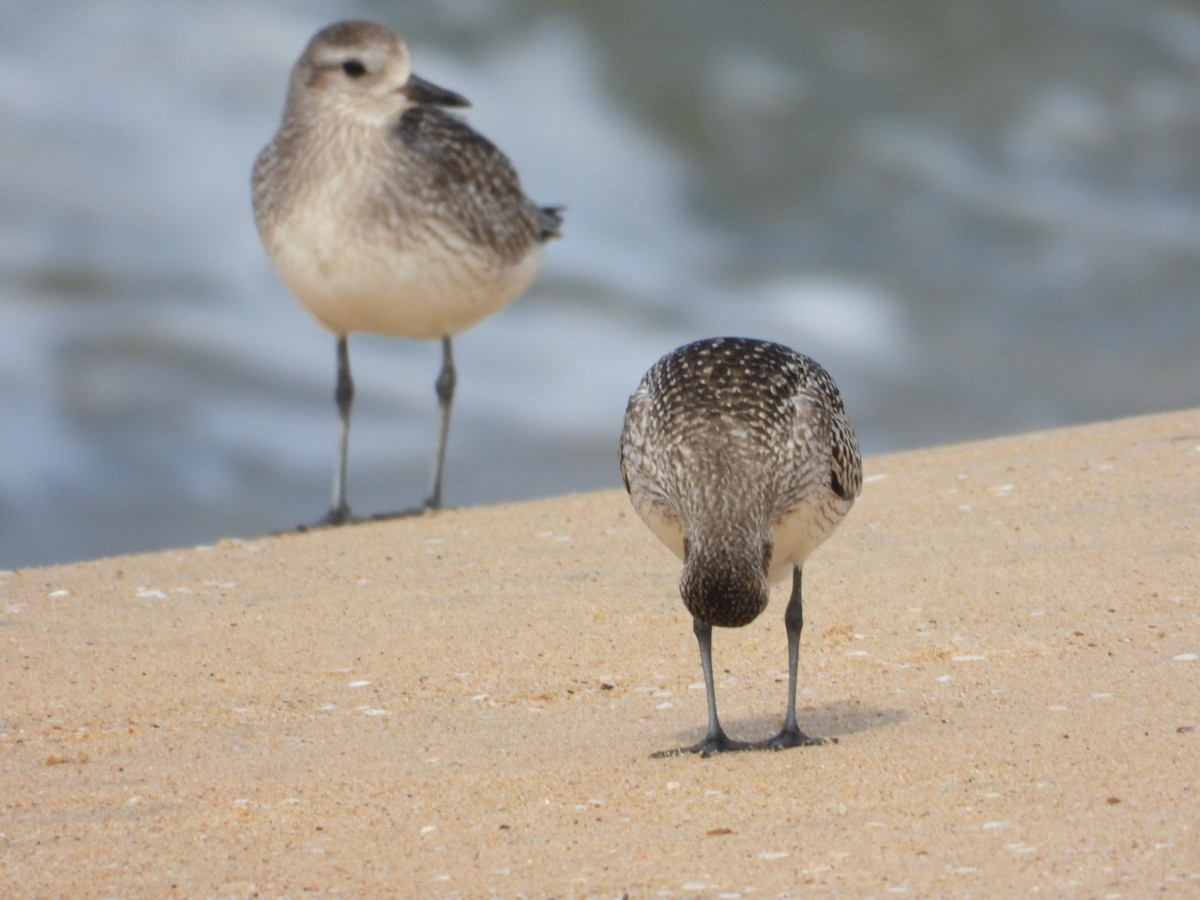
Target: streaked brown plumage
x=738 y=455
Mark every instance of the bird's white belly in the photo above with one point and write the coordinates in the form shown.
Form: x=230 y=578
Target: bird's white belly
x=793 y=536
x=799 y=532
x=666 y=528
x=424 y=289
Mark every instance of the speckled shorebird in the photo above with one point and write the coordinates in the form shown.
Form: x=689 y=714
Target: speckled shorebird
x=738 y=455
x=384 y=213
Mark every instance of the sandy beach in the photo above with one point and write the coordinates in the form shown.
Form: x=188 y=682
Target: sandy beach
x=1003 y=637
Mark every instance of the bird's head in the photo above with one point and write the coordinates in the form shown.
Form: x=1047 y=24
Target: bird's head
x=725 y=584
x=363 y=71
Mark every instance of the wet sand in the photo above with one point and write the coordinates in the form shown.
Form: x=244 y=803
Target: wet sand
x=1003 y=638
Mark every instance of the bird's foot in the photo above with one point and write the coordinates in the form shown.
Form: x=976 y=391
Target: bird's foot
x=791 y=737
x=721 y=743
x=343 y=516
x=713 y=743
x=401 y=514
x=336 y=516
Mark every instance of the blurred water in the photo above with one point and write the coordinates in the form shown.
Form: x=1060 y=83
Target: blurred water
x=983 y=217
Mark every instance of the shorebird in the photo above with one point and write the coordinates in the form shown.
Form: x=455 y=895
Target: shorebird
x=384 y=213
x=738 y=455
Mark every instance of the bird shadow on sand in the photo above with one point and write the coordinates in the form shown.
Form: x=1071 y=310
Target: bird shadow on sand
x=830 y=722
x=847 y=717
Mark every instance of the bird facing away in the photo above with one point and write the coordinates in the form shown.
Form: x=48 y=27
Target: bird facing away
x=737 y=454
x=384 y=213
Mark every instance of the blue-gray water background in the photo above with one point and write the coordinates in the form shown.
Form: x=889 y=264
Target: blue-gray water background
x=982 y=216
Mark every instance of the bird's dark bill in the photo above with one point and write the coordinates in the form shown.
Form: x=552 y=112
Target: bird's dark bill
x=421 y=91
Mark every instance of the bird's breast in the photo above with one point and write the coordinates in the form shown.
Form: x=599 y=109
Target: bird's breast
x=388 y=275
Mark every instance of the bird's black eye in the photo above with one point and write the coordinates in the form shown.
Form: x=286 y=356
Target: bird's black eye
x=354 y=68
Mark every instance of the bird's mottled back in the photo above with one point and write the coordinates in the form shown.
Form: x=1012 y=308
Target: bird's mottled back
x=734 y=408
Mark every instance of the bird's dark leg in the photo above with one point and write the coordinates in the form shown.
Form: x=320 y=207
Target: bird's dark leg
x=715 y=741
x=444 y=386
x=343 y=394
x=793 y=620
